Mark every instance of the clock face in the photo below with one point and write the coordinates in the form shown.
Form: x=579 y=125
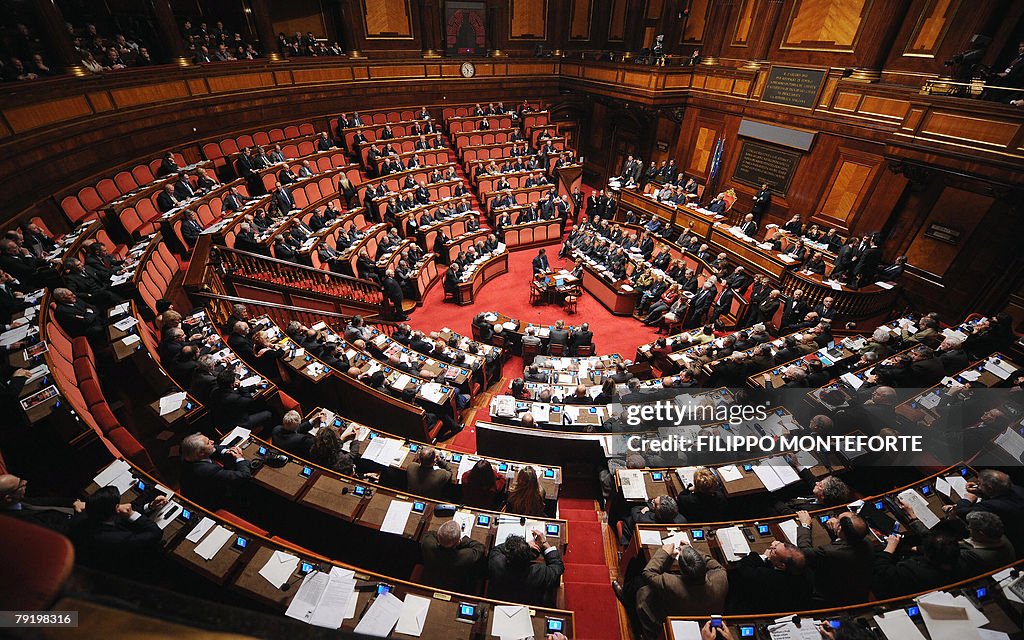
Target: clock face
x=468 y=70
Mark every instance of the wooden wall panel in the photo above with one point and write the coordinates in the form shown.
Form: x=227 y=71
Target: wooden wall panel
x=654 y=8
x=579 y=25
x=931 y=28
x=936 y=256
x=528 y=20
x=387 y=18
x=298 y=15
x=848 y=183
x=693 y=33
x=703 y=147
x=744 y=20
x=41 y=114
x=617 y=20
x=832 y=25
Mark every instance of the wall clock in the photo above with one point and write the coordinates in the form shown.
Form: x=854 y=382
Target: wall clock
x=468 y=69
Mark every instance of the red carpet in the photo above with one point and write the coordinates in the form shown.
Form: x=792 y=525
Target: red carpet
x=588 y=591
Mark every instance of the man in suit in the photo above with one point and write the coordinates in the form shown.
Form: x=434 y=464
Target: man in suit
x=739 y=280
x=393 y=293
x=213 y=485
x=114 y=536
x=78 y=318
x=167 y=199
x=994 y=492
x=233 y=201
x=515 y=576
x=90 y=285
x=846 y=258
x=717 y=206
x=841 y=569
x=190 y=228
x=868 y=263
x=228 y=406
x=762 y=202
x=701 y=303
x=292 y=435
x=283 y=198
x=749 y=226
x=826 y=310
x=451 y=560
x=794 y=309
x=52 y=513
x=699 y=587
x=580 y=338
x=723 y=302
x=183 y=188
x=451 y=279
x=428 y=475
x=559 y=334
x=540 y=263
x=776 y=582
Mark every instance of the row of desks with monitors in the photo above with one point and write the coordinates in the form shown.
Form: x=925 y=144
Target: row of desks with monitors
x=987 y=606
x=312 y=588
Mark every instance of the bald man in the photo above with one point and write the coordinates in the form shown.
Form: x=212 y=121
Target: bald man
x=451 y=560
x=841 y=569
x=428 y=475
x=52 y=513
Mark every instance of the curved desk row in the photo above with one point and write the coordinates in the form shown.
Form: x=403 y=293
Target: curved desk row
x=489 y=269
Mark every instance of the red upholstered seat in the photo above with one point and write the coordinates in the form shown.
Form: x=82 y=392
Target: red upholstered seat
x=36 y=561
x=241 y=522
x=105 y=418
x=130 y=448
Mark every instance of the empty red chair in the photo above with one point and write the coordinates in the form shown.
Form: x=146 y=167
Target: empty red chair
x=276 y=135
x=125 y=182
x=291 y=131
x=306 y=147
x=129 y=447
x=244 y=141
x=306 y=129
x=90 y=198
x=143 y=174
x=261 y=138
x=73 y=209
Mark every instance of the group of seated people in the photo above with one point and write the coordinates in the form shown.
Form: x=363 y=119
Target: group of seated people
x=571 y=338
x=464 y=265
x=216 y=44
x=551 y=207
x=306 y=45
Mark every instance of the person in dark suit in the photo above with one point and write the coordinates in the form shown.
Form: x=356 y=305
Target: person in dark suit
x=660 y=510
x=450 y=560
x=717 y=206
x=762 y=202
x=78 y=318
x=167 y=199
x=213 y=485
x=393 y=293
x=515 y=576
x=701 y=303
x=233 y=201
x=993 y=491
x=777 y=582
x=723 y=303
x=283 y=251
x=868 y=263
x=283 y=198
x=90 y=285
x=451 y=279
x=559 y=334
x=229 y=407
x=183 y=188
x=190 y=228
x=292 y=435
x=110 y=535
x=749 y=226
x=580 y=338
x=699 y=587
x=428 y=475
x=794 y=309
x=52 y=513
x=846 y=258
x=540 y=263
x=841 y=569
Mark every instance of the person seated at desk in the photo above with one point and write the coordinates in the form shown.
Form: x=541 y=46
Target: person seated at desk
x=530 y=338
x=703 y=502
x=579 y=396
x=214 y=485
x=663 y=305
x=842 y=569
x=327 y=449
x=115 y=537
x=77 y=317
x=717 y=205
x=228 y=406
x=428 y=475
x=558 y=335
x=52 y=513
x=292 y=435
x=778 y=581
x=659 y=510
x=528 y=497
x=515 y=576
x=994 y=492
x=582 y=337
x=482 y=486
x=451 y=560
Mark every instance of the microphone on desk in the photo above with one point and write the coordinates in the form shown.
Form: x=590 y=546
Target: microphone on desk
x=316 y=568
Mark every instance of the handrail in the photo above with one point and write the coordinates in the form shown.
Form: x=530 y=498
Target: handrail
x=281 y=273
x=282 y=314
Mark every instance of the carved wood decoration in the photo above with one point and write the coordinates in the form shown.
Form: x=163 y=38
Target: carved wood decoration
x=528 y=20
x=387 y=19
x=617 y=21
x=847 y=189
x=744 y=20
x=703 y=147
x=931 y=28
x=693 y=33
x=579 y=23
x=825 y=25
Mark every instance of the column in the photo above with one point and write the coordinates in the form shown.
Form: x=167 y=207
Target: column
x=714 y=31
x=430 y=29
x=495 y=28
x=349 y=16
x=765 y=20
x=889 y=17
x=558 y=26
x=170 y=34
x=51 y=26
x=265 y=30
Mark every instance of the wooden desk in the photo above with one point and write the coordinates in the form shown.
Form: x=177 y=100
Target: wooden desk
x=490 y=268
x=617 y=300
x=754 y=258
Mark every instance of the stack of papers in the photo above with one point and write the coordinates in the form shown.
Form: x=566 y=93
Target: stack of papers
x=241 y=434
x=326 y=599
x=915 y=500
x=734 y=543
x=279 y=568
x=775 y=473
x=1012 y=443
x=213 y=543
x=730 y=473
x=949 y=617
x=397 y=517
x=514 y=526
x=171 y=403
x=686 y=630
x=788 y=629
x=633 y=485
x=381 y=617
x=790 y=529
x=999 y=368
x=118 y=473
x=511 y=622
x=897 y=625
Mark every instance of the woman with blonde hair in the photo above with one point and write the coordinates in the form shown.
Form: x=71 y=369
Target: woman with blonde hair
x=527 y=498
x=704 y=502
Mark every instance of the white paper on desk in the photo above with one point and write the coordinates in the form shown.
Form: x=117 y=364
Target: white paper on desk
x=465 y=520
x=334 y=601
x=251 y=381
x=130 y=340
x=686 y=630
x=633 y=486
x=930 y=400
x=730 y=473
x=200 y=529
x=686 y=476
x=959 y=485
x=167 y=514
x=413 y=615
x=988 y=634
x=112 y=471
x=396 y=517
x=768 y=477
x=279 y=568
x=676 y=539
x=467 y=463
x=920 y=506
x=805 y=460
x=945 y=619
x=214 y=542
x=126 y=323
x=391 y=453
x=17 y=334
x=1012 y=443
x=733 y=542
x=511 y=622
x=171 y=403
x=122 y=482
x=970 y=375
x=306 y=598
x=380 y=618
x=650 y=537
x=942 y=486
x=238 y=432
x=897 y=625
x=789 y=529
x=372 y=451
x=852 y=380
x=119 y=309
x=993 y=367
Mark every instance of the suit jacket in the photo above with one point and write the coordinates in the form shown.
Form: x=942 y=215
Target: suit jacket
x=114 y=542
x=794 y=311
x=540 y=263
x=558 y=336
x=392 y=289
x=749 y=228
x=1009 y=508
x=183 y=190
x=190 y=232
x=165 y=202
x=455 y=569
x=284 y=199
x=212 y=485
x=79 y=318
x=295 y=442
x=431 y=484
x=755 y=586
x=667 y=594
x=842 y=572
x=533 y=584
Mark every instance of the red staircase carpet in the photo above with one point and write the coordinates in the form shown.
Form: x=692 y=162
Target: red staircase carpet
x=588 y=590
